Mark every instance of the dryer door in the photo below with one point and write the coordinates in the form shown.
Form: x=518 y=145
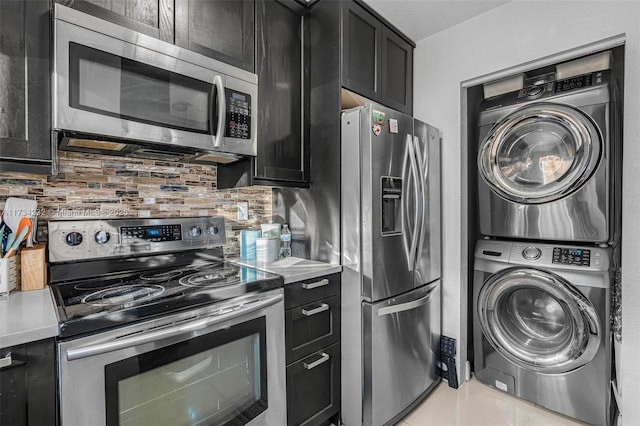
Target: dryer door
x=540 y=153
x=538 y=320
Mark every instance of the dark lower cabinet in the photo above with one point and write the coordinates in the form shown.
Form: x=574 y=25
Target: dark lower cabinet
x=25 y=124
x=313 y=387
x=28 y=384
x=220 y=29
x=312 y=335
x=151 y=17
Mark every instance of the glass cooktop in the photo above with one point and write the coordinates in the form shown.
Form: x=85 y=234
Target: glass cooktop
x=89 y=305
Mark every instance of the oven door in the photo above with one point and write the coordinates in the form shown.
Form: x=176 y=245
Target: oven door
x=220 y=365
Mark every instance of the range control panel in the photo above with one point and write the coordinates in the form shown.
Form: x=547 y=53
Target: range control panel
x=238 y=120
x=572 y=256
x=84 y=239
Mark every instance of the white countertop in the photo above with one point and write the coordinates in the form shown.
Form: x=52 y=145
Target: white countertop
x=292 y=269
x=27 y=316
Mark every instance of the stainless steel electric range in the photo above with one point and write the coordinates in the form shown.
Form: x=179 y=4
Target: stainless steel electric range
x=156 y=328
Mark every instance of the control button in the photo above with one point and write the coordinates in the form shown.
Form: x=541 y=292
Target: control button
x=74 y=238
x=212 y=229
x=531 y=253
x=102 y=237
x=195 y=231
x=534 y=91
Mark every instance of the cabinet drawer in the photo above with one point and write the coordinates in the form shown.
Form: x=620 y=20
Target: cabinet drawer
x=311 y=327
x=307 y=291
x=313 y=387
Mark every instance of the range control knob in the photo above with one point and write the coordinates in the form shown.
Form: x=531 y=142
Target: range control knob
x=102 y=237
x=73 y=238
x=195 y=231
x=531 y=253
x=212 y=229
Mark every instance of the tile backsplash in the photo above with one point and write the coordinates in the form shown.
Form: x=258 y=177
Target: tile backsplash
x=99 y=186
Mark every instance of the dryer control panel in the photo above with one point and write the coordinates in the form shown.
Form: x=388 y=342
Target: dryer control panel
x=572 y=256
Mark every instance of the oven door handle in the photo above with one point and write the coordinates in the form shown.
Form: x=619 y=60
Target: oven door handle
x=154 y=336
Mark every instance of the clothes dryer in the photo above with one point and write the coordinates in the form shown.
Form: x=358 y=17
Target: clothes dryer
x=548 y=161
x=541 y=324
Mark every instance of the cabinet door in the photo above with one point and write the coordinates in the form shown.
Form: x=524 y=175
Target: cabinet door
x=396 y=72
x=28 y=384
x=151 y=17
x=24 y=84
x=313 y=387
x=220 y=29
x=282 y=152
x=361 y=38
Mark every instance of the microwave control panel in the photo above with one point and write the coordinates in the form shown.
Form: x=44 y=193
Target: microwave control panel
x=238 y=122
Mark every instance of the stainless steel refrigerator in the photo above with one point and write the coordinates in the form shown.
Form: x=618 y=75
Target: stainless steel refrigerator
x=390 y=214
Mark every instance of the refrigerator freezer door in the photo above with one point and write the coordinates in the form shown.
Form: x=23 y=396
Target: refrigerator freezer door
x=427 y=146
x=401 y=347
x=385 y=165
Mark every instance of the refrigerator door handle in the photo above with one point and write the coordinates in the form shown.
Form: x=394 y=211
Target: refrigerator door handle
x=414 y=178
x=402 y=307
x=423 y=171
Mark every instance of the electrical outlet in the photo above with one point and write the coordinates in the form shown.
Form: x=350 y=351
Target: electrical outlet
x=243 y=211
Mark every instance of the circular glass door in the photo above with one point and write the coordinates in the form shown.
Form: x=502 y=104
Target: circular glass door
x=537 y=320
x=539 y=153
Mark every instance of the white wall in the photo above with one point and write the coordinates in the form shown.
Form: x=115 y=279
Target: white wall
x=519 y=32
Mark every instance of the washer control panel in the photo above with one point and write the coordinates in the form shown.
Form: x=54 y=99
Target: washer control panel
x=572 y=256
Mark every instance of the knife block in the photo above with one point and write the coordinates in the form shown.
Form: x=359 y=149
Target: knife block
x=34 y=268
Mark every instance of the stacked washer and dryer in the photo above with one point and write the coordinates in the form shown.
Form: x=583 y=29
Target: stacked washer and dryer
x=549 y=209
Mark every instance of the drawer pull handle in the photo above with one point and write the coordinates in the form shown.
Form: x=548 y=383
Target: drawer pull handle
x=323 y=358
x=6 y=361
x=323 y=307
x=310 y=286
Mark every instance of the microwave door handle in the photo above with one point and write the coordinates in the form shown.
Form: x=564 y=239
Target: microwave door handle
x=155 y=336
x=222 y=111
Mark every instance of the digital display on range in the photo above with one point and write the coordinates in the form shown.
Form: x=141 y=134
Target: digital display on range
x=154 y=234
x=568 y=256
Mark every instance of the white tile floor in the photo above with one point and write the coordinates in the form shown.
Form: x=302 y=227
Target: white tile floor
x=475 y=404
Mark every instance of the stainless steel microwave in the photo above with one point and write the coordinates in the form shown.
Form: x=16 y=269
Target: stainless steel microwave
x=120 y=92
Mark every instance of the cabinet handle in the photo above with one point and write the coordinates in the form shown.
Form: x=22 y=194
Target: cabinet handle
x=310 y=286
x=323 y=307
x=6 y=361
x=323 y=358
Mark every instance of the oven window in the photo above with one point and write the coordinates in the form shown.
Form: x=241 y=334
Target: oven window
x=215 y=379
x=110 y=85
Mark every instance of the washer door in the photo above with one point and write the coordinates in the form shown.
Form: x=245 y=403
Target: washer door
x=540 y=153
x=538 y=320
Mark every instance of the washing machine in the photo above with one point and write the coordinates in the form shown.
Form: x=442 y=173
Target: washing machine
x=548 y=161
x=541 y=324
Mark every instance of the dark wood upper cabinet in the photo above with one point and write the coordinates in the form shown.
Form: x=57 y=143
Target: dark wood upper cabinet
x=396 y=73
x=220 y=29
x=25 y=88
x=361 y=50
x=282 y=153
x=151 y=17
x=377 y=62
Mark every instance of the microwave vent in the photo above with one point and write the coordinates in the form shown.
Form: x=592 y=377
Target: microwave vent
x=93 y=144
x=214 y=158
